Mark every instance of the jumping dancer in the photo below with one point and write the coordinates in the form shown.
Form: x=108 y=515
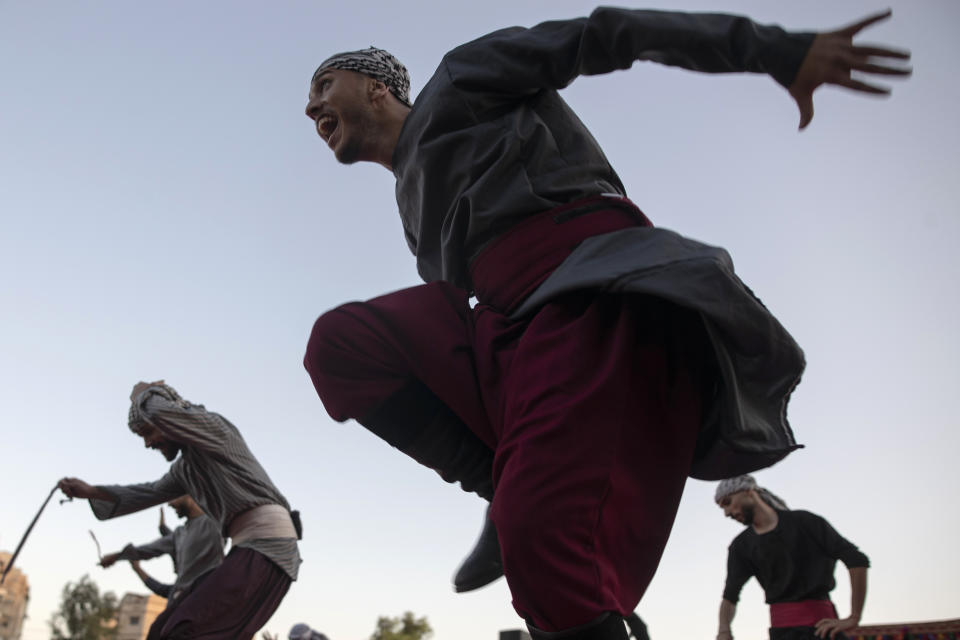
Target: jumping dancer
x=605 y=360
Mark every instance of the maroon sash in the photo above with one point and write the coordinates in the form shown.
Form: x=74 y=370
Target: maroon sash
x=516 y=263
x=805 y=613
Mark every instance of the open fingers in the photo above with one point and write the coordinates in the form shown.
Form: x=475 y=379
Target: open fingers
x=857 y=27
x=880 y=69
x=863 y=87
x=879 y=52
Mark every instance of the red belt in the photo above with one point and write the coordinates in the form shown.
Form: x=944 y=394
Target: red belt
x=517 y=262
x=805 y=613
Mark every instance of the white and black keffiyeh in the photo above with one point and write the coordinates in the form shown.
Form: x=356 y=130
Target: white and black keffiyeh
x=376 y=63
x=135 y=417
x=743 y=483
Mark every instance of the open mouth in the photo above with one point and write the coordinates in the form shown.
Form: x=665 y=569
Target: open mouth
x=326 y=125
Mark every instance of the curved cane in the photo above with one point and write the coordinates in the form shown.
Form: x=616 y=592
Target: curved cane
x=13 y=558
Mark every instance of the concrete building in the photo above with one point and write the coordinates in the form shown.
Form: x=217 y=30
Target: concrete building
x=135 y=615
x=14 y=594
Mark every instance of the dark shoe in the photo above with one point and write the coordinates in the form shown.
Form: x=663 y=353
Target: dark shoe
x=416 y=422
x=609 y=626
x=638 y=629
x=484 y=564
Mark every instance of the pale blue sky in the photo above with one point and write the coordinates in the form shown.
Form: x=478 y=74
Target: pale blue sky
x=168 y=211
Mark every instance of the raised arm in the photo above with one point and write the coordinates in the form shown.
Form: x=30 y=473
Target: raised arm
x=552 y=54
x=164 y=529
x=520 y=62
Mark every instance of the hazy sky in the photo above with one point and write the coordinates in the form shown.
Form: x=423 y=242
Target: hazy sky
x=168 y=211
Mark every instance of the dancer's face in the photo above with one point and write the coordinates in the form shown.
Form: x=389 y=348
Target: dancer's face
x=182 y=506
x=740 y=506
x=341 y=108
x=153 y=438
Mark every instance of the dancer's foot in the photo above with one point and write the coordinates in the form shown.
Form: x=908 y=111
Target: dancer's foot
x=484 y=564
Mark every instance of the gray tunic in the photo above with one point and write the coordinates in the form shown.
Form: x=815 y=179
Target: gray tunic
x=196 y=548
x=215 y=467
x=489 y=142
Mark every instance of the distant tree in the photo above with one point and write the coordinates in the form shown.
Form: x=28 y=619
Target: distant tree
x=404 y=628
x=84 y=614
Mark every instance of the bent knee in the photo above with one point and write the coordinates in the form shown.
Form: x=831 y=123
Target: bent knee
x=330 y=340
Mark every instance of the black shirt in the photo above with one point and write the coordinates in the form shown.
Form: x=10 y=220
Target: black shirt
x=795 y=561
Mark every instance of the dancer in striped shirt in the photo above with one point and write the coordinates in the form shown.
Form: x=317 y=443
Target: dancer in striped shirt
x=211 y=463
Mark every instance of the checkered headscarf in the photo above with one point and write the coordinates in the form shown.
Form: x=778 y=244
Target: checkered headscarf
x=135 y=417
x=743 y=483
x=376 y=63
x=301 y=631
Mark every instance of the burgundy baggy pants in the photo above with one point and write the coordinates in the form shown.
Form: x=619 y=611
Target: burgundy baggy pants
x=231 y=603
x=592 y=406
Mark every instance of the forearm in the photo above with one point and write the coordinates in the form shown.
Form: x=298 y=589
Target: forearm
x=124 y=499
x=858 y=592
x=159 y=547
x=706 y=42
x=129 y=552
x=553 y=54
x=159 y=588
x=77 y=488
x=727 y=611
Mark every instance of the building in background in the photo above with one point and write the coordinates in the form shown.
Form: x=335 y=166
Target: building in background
x=14 y=594
x=135 y=615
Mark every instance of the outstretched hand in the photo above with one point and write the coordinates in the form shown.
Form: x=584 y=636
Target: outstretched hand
x=833 y=57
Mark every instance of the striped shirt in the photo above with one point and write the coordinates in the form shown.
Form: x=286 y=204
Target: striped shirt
x=215 y=467
x=196 y=548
